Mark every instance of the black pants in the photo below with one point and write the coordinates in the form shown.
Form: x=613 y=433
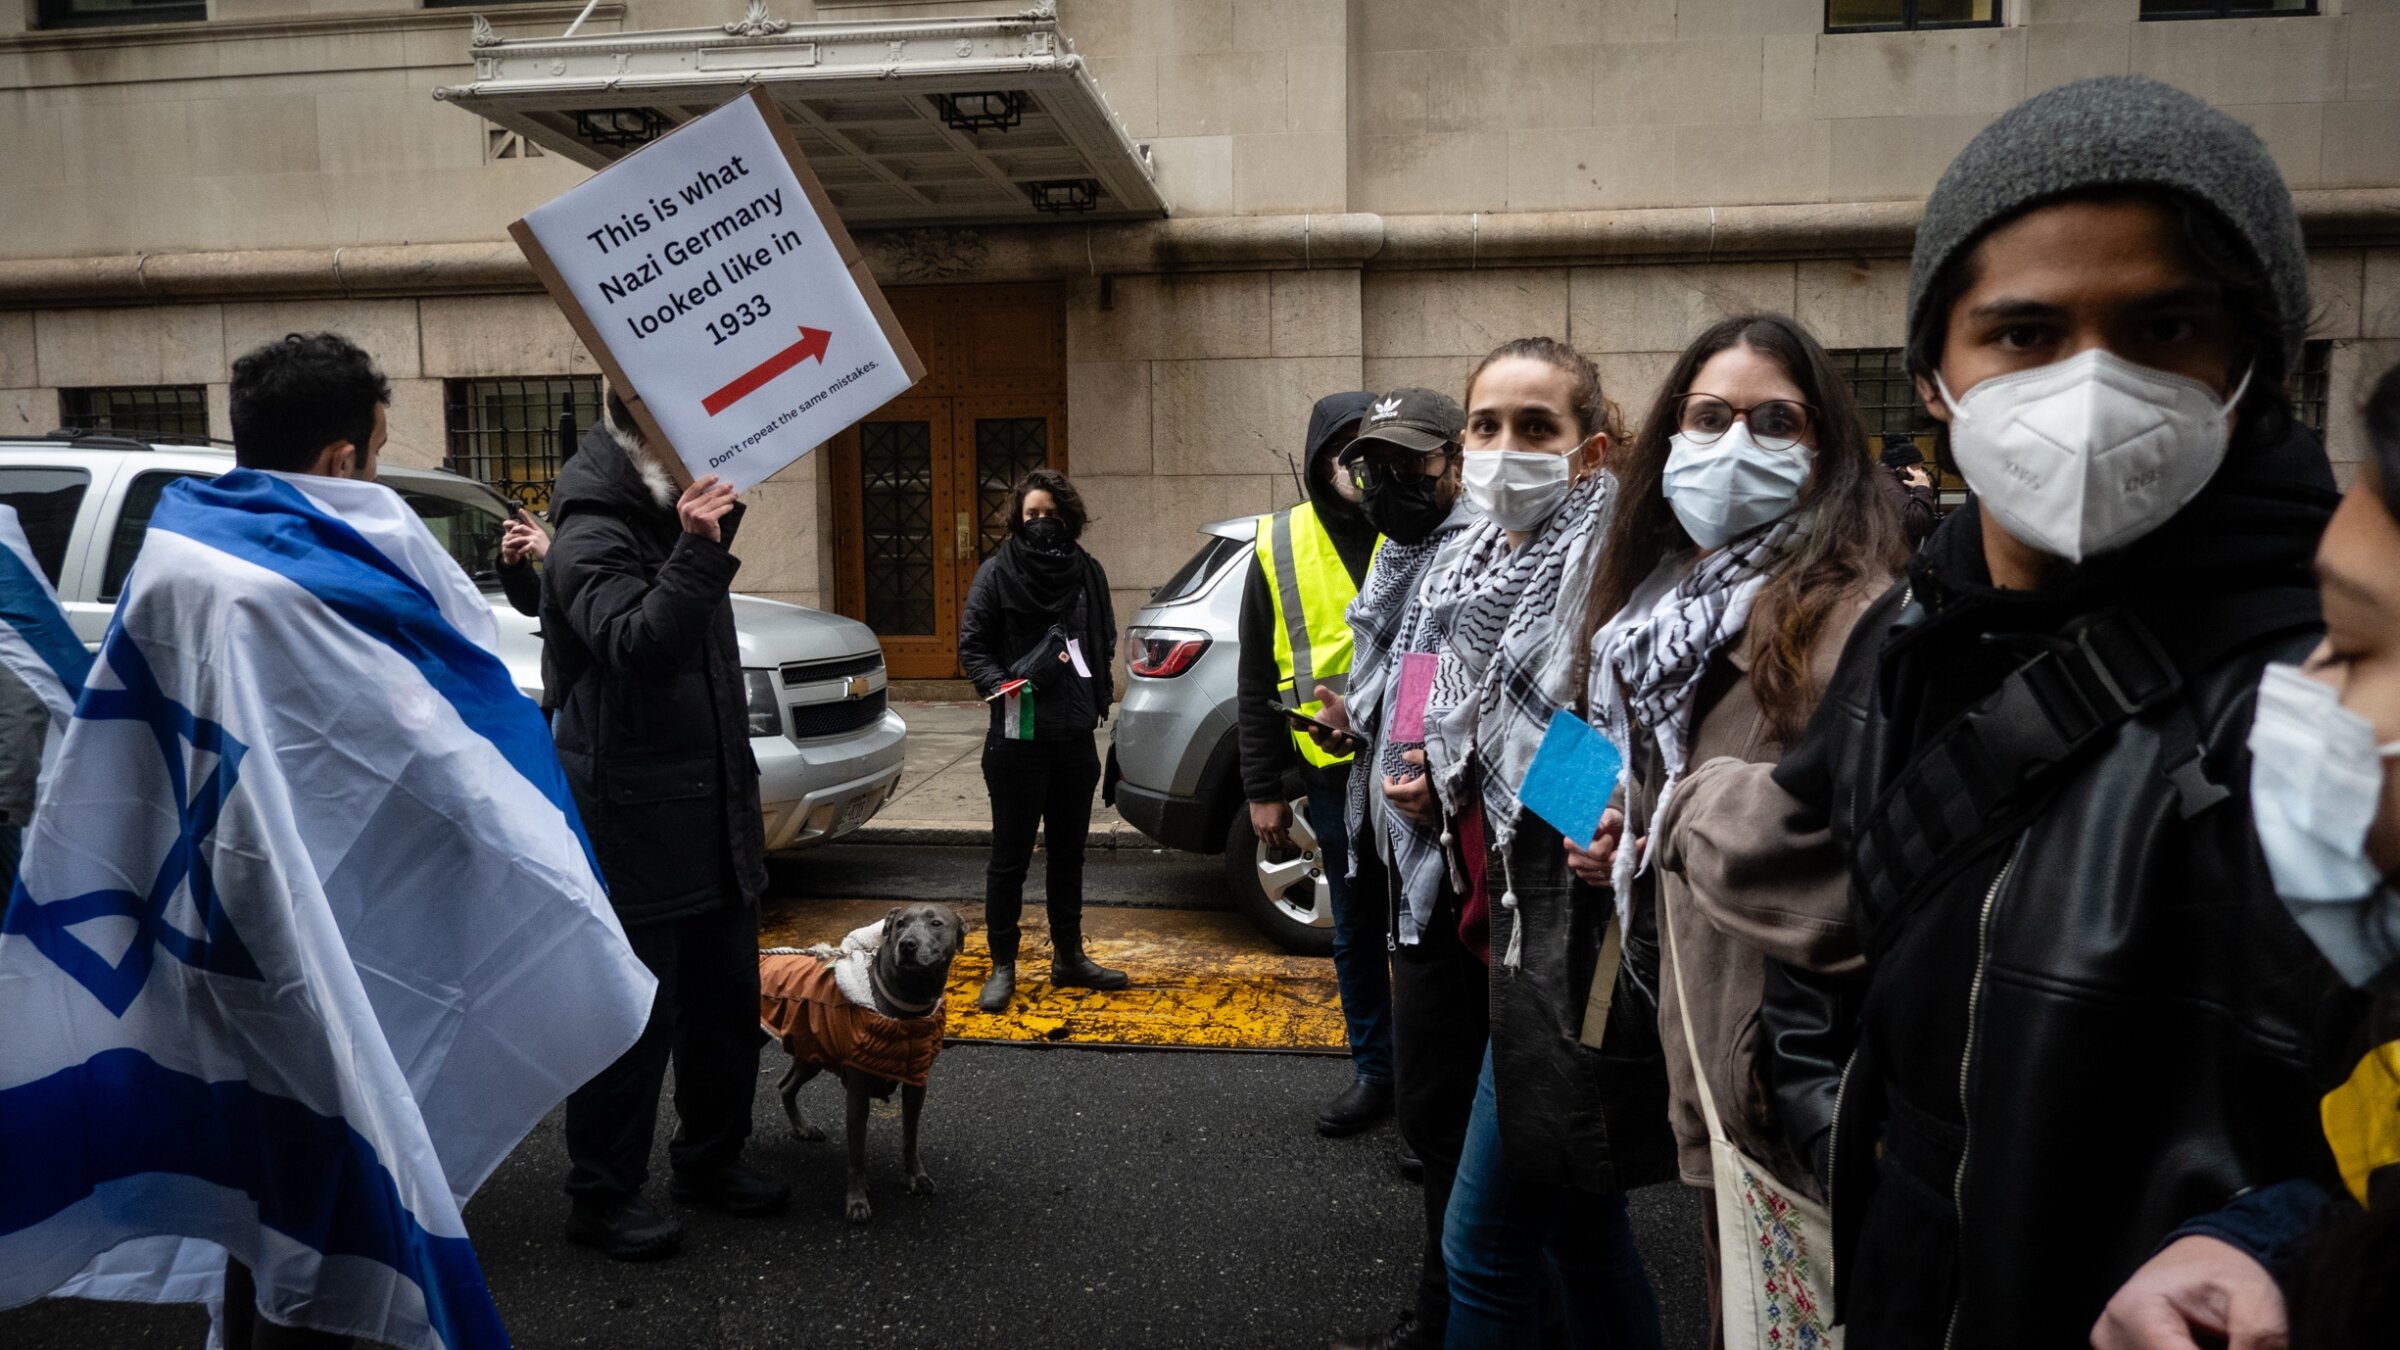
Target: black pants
x=1440 y=1021
x=705 y=1017
x=1046 y=785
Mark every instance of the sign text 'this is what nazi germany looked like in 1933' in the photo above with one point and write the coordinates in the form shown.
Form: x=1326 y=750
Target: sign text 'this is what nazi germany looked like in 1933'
x=710 y=279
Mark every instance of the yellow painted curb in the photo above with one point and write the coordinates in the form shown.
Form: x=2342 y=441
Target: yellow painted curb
x=1202 y=981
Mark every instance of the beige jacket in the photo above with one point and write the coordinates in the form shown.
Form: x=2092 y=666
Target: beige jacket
x=1727 y=932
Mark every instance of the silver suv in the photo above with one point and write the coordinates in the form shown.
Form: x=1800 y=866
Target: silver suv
x=1178 y=757
x=829 y=748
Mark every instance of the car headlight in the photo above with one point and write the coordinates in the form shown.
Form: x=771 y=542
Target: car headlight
x=765 y=718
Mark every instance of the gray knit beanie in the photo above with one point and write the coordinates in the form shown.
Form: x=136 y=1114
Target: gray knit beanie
x=2116 y=131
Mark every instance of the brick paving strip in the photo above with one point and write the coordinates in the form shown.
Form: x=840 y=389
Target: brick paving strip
x=1201 y=981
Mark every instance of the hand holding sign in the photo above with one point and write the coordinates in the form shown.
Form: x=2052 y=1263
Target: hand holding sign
x=1574 y=771
x=702 y=505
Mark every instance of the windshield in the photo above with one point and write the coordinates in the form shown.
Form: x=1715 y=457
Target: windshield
x=465 y=518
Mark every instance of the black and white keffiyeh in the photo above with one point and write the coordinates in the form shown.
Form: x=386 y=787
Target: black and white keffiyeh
x=1511 y=624
x=1380 y=630
x=1646 y=669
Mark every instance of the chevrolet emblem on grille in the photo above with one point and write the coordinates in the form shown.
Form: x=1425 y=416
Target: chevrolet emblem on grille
x=855 y=687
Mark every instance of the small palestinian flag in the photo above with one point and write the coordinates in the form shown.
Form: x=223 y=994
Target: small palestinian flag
x=1016 y=710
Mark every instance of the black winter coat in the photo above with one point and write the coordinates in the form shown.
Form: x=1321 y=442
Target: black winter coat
x=2103 y=1023
x=994 y=641
x=653 y=727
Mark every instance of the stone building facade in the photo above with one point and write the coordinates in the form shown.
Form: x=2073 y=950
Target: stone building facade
x=1360 y=193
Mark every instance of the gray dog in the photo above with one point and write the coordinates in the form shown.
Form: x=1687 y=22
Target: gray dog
x=870 y=1010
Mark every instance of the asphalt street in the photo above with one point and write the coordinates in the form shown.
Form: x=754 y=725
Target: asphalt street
x=1088 y=1198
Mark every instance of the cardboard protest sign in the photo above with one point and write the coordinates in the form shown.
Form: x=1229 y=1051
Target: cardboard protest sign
x=711 y=279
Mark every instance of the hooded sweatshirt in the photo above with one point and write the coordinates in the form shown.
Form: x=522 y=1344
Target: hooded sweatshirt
x=1266 y=739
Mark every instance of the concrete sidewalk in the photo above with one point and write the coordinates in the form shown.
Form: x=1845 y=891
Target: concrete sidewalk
x=941 y=799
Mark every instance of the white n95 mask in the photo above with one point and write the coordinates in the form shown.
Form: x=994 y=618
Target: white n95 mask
x=1732 y=485
x=2090 y=453
x=1516 y=488
x=2316 y=776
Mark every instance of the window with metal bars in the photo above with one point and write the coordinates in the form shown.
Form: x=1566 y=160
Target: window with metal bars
x=2226 y=9
x=164 y=412
x=1006 y=449
x=895 y=465
x=1883 y=16
x=1888 y=404
x=112 y=13
x=2311 y=382
x=514 y=433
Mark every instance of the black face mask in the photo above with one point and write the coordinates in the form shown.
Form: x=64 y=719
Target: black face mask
x=1404 y=508
x=1047 y=534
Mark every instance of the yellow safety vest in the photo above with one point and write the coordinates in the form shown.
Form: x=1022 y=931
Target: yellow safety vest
x=1312 y=592
x=2362 y=1119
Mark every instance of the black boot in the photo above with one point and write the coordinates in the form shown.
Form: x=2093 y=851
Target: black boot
x=1405 y=1333
x=735 y=1188
x=999 y=989
x=1361 y=1105
x=623 y=1228
x=1069 y=967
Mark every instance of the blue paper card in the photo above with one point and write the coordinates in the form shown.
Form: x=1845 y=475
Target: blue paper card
x=1573 y=772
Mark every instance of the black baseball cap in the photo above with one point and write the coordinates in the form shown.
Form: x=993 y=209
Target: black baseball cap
x=1900 y=451
x=1411 y=418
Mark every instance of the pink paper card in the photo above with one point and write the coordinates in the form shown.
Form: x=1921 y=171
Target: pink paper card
x=1408 y=702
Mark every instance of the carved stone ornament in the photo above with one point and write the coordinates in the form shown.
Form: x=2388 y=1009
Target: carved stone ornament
x=1046 y=9
x=925 y=254
x=755 y=23
x=487 y=67
x=482 y=35
x=962 y=49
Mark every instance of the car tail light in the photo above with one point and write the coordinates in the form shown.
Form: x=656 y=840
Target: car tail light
x=1163 y=653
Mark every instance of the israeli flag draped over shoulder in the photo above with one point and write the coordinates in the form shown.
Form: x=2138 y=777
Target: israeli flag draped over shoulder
x=308 y=933
x=37 y=644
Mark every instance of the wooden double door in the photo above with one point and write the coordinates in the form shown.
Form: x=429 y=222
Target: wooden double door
x=922 y=488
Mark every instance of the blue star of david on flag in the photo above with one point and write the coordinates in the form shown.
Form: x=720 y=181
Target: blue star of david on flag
x=186 y=742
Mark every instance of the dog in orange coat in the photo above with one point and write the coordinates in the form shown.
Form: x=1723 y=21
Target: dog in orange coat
x=870 y=1010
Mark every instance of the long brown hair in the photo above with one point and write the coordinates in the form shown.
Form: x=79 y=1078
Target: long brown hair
x=1858 y=529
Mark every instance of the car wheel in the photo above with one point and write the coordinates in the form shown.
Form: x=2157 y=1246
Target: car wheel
x=1284 y=892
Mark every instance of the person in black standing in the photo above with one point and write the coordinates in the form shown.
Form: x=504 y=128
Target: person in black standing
x=1036 y=638
x=640 y=663
x=1911 y=486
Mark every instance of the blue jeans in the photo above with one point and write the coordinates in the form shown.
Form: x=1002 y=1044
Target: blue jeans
x=1500 y=1235
x=1361 y=964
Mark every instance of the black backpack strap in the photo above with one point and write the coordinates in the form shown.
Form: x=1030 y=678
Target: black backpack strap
x=1991 y=771
x=1979 y=776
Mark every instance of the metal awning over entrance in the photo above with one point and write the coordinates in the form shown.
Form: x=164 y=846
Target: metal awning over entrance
x=907 y=122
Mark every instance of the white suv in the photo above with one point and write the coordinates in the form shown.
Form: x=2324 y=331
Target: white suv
x=829 y=747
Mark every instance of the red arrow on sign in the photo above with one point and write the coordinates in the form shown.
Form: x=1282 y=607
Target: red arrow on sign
x=813 y=342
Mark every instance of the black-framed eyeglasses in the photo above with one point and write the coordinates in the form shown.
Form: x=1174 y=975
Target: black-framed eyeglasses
x=1386 y=465
x=1776 y=424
